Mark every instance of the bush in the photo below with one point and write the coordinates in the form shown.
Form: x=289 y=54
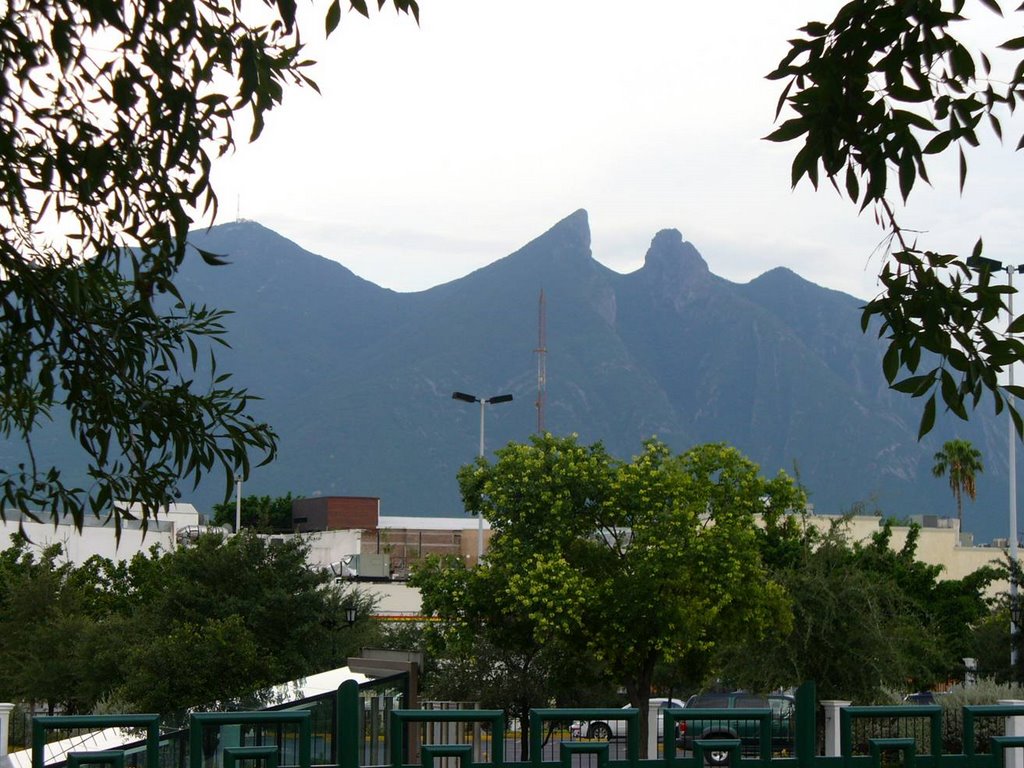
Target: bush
x=960 y=696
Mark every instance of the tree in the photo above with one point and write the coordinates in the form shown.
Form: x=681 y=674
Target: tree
x=633 y=563
x=228 y=616
x=117 y=109
x=40 y=609
x=865 y=617
x=876 y=91
x=961 y=461
x=216 y=621
x=264 y=514
x=231 y=617
x=491 y=654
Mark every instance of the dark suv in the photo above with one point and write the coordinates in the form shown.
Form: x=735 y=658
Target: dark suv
x=782 y=723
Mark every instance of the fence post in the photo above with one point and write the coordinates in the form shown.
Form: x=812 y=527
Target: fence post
x=652 y=729
x=832 y=707
x=5 y=726
x=1014 y=757
x=806 y=715
x=347 y=739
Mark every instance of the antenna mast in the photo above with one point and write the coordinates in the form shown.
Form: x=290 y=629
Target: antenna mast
x=542 y=351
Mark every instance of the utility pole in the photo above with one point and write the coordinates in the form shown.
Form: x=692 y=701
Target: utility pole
x=542 y=352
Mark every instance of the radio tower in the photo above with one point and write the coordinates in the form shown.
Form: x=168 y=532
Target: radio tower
x=542 y=351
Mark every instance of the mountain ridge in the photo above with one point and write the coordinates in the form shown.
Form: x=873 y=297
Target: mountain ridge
x=357 y=378
x=776 y=366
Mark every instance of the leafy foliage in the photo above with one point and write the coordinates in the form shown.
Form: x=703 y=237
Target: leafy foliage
x=173 y=630
x=264 y=514
x=111 y=113
x=629 y=563
x=39 y=609
x=876 y=91
x=486 y=653
x=865 y=616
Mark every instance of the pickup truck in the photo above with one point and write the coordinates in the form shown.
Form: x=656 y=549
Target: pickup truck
x=782 y=723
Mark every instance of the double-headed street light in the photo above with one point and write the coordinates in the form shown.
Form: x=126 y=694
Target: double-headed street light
x=484 y=401
x=984 y=264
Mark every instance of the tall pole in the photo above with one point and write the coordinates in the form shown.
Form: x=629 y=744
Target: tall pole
x=986 y=265
x=480 y=514
x=238 y=503
x=542 y=351
x=1012 y=459
x=484 y=402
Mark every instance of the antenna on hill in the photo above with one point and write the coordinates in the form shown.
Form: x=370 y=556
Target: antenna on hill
x=238 y=208
x=542 y=352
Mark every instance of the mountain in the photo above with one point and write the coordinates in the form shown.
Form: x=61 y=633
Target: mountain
x=357 y=379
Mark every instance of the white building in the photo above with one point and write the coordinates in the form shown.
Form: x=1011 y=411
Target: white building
x=97 y=536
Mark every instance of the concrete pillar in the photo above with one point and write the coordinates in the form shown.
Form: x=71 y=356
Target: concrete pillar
x=653 y=707
x=1014 y=757
x=5 y=726
x=832 y=707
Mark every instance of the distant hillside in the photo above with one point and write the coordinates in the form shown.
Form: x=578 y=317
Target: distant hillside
x=358 y=379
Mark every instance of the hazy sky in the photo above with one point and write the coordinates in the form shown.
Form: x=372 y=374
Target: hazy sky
x=438 y=149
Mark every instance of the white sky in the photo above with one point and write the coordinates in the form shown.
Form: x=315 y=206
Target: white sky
x=438 y=149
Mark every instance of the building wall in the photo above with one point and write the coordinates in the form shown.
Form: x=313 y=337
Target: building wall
x=395 y=600
x=329 y=548
x=328 y=513
x=407 y=546
x=97 y=537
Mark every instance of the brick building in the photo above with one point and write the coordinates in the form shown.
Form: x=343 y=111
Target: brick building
x=404 y=540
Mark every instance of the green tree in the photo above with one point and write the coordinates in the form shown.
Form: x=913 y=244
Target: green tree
x=216 y=621
x=633 y=563
x=865 y=617
x=961 y=461
x=229 y=616
x=119 y=109
x=491 y=654
x=264 y=514
x=42 y=608
x=876 y=91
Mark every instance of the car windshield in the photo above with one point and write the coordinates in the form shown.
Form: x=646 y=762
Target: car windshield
x=780 y=705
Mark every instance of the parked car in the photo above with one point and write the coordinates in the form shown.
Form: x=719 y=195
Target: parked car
x=782 y=707
x=616 y=729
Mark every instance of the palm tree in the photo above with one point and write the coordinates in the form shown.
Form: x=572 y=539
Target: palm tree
x=962 y=461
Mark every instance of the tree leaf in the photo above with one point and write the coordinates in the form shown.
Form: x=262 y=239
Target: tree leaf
x=333 y=17
x=852 y=185
x=927 y=418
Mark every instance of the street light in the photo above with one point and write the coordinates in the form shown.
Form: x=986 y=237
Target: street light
x=984 y=264
x=484 y=401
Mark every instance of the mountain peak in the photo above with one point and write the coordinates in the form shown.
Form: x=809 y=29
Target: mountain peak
x=676 y=266
x=572 y=231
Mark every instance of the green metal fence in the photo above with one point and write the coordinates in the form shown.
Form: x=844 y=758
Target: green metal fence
x=343 y=730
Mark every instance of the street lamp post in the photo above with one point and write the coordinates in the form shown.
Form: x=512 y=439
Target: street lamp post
x=984 y=264
x=238 y=502
x=484 y=401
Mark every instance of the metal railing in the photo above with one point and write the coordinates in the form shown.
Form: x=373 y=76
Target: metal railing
x=354 y=728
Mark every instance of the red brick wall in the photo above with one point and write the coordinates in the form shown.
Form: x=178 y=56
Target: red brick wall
x=334 y=513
